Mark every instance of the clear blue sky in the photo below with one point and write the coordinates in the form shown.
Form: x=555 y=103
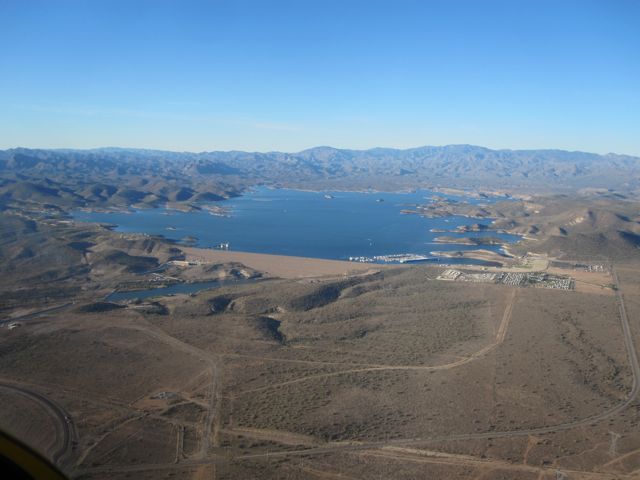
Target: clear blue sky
x=273 y=75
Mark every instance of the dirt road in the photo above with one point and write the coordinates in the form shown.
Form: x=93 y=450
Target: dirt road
x=398 y=448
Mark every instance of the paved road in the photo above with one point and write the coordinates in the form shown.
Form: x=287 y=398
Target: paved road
x=65 y=430
x=28 y=316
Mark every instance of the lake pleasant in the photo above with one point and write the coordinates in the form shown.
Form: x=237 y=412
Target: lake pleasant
x=330 y=225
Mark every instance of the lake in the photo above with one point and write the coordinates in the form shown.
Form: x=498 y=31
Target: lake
x=176 y=289
x=331 y=225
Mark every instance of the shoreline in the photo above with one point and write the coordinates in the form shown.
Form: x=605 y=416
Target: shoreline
x=283 y=266
x=478 y=254
x=469 y=241
x=171 y=205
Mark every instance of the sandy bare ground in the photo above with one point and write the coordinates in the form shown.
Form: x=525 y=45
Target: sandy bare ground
x=282 y=266
x=302 y=267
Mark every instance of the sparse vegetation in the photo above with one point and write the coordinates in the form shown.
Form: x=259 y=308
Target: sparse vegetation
x=379 y=370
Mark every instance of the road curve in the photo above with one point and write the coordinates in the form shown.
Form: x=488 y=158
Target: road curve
x=500 y=337
x=355 y=446
x=66 y=432
x=633 y=394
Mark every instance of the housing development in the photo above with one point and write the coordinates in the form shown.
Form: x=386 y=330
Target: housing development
x=514 y=279
x=320 y=240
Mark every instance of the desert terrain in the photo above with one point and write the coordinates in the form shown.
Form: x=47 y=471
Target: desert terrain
x=320 y=369
x=316 y=240
x=296 y=368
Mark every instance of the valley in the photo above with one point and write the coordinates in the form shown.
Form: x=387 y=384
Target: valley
x=513 y=362
x=336 y=240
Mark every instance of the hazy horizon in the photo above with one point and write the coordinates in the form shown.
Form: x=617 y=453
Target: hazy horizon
x=115 y=147
x=355 y=239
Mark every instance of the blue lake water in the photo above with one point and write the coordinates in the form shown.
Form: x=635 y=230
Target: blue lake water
x=301 y=223
x=176 y=289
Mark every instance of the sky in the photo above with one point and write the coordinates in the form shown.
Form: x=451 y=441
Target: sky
x=276 y=75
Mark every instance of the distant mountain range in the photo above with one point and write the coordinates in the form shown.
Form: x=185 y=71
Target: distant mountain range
x=119 y=176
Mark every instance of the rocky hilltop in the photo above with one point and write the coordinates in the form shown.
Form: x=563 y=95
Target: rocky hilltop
x=124 y=177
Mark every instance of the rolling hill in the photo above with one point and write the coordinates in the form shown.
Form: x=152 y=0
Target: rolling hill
x=126 y=177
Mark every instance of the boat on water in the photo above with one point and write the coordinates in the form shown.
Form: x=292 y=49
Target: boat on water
x=394 y=258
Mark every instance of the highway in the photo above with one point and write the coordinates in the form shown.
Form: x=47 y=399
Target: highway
x=27 y=316
x=66 y=434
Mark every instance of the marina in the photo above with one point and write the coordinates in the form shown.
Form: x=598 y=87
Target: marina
x=356 y=226
x=395 y=258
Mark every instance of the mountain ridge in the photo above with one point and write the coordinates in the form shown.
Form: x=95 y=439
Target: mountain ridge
x=113 y=149
x=140 y=177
